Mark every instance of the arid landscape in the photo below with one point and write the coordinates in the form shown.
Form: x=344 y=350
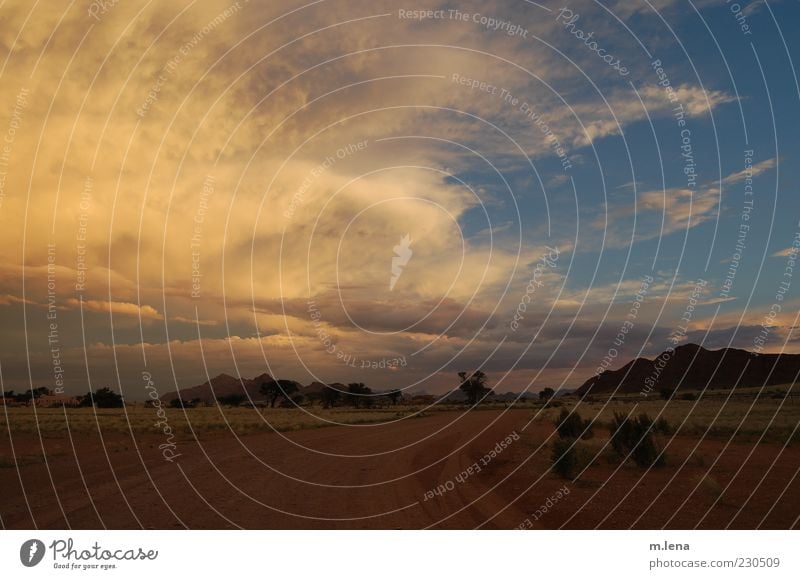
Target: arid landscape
x=731 y=461
x=350 y=264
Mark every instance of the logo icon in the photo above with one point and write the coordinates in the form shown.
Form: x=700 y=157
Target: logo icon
x=32 y=552
x=403 y=253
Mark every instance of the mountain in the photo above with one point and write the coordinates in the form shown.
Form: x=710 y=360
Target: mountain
x=226 y=385
x=692 y=367
x=222 y=385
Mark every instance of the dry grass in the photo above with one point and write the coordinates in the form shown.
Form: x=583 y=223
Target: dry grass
x=141 y=420
x=714 y=417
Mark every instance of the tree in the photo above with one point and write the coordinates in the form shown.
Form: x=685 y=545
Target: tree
x=358 y=394
x=330 y=396
x=231 y=399
x=394 y=396
x=102 y=398
x=546 y=394
x=179 y=403
x=32 y=394
x=570 y=425
x=277 y=388
x=473 y=385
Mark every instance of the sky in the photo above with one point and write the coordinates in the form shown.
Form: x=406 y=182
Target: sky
x=348 y=191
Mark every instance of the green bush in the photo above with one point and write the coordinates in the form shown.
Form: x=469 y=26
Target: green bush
x=634 y=437
x=571 y=425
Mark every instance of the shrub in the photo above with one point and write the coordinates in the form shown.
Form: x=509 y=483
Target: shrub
x=634 y=437
x=231 y=399
x=571 y=456
x=565 y=458
x=571 y=425
x=663 y=427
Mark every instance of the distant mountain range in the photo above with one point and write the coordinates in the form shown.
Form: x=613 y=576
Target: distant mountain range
x=226 y=385
x=689 y=367
x=692 y=367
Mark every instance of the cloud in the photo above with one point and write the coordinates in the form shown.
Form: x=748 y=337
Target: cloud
x=752 y=172
x=116 y=308
x=785 y=252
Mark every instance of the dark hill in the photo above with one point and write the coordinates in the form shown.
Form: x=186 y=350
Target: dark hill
x=692 y=367
x=226 y=385
x=222 y=385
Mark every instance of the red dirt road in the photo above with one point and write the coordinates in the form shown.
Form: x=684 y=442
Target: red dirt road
x=377 y=476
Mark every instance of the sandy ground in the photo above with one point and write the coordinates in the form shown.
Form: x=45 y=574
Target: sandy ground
x=378 y=476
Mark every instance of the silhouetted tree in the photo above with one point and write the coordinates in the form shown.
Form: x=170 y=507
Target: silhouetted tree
x=33 y=393
x=394 y=396
x=473 y=385
x=180 y=403
x=231 y=399
x=546 y=394
x=329 y=396
x=275 y=389
x=358 y=394
x=102 y=398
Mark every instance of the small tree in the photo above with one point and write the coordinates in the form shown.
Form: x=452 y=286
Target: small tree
x=180 y=403
x=394 y=396
x=565 y=459
x=634 y=437
x=571 y=425
x=102 y=398
x=547 y=394
x=329 y=396
x=358 y=394
x=275 y=389
x=473 y=385
x=231 y=399
x=34 y=393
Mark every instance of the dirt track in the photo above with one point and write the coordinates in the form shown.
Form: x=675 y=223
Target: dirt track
x=265 y=481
